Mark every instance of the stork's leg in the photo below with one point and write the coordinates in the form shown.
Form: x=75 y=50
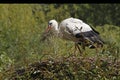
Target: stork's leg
x=97 y=50
x=77 y=47
x=97 y=46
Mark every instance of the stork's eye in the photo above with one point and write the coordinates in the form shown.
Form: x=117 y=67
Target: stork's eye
x=50 y=23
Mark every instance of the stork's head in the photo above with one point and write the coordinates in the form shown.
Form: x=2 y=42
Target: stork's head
x=52 y=25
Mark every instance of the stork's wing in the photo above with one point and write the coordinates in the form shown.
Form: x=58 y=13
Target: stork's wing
x=95 y=31
x=74 y=20
x=91 y=36
x=80 y=30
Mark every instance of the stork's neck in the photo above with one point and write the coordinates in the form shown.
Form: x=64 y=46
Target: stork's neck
x=56 y=27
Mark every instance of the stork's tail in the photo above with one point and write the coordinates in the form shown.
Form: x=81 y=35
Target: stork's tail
x=90 y=38
x=96 y=39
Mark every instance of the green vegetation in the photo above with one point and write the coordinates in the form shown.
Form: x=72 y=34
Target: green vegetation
x=21 y=29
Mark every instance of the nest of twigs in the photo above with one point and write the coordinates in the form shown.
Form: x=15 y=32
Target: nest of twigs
x=70 y=68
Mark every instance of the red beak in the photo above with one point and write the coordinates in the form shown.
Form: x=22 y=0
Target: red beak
x=48 y=28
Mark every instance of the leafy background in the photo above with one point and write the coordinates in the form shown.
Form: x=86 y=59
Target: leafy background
x=22 y=25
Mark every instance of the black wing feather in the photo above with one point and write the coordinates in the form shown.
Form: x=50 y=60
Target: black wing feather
x=92 y=36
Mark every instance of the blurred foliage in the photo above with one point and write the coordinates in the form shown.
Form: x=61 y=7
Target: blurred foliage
x=22 y=25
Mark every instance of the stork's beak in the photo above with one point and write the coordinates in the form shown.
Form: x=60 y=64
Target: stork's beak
x=48 y=28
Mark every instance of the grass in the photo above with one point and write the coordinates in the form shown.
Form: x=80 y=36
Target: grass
x=24 y=56
x=39 y=59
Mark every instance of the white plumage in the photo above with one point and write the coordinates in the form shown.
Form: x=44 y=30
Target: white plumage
x=75 y=30
x=72 y=26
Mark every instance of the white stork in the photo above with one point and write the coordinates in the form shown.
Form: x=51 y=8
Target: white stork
x=76 y=30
